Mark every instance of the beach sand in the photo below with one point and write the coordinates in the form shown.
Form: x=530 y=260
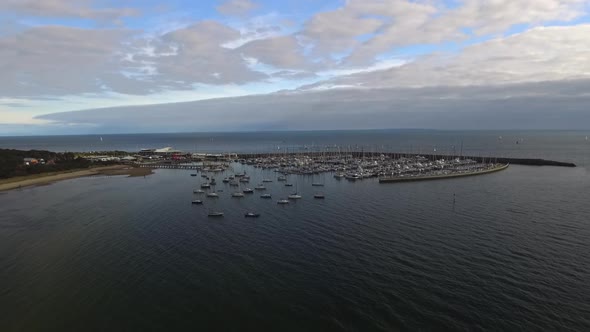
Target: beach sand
x=44 y=179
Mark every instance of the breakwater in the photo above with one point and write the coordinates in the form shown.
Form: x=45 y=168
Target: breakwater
x=481 y=159
x=493 y=169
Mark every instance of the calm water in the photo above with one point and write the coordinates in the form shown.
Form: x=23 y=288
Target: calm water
x=512 y=253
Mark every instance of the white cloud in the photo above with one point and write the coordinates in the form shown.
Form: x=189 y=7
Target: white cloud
x=236 y=7
x=280 y=52
x=540 y=54
x=57 y=60
x=66 y=8
x=387 y=24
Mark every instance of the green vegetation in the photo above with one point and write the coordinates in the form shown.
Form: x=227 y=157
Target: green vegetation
x=12 y=162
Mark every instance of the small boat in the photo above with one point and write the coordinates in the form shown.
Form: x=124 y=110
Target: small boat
x=266 y=180
x=226 y=180
x=203 y=175
x=281 y=178
x=252 y=215
x=215 y=214
x=244 y=180
x=212 y=195
x=212 y=182
x=205 y=185
x=248 y=191
x=288 y=185
x=315 y=184
x=237 y=194
x=193 y=174
x=260 y=187
x=198 y=191
x=294 y=196
x=265 y=196
x=339 y=175
x=283 y=201
x=319 y=196
x=197 y=201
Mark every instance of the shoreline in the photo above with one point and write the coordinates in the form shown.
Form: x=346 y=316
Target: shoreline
x=49 y=178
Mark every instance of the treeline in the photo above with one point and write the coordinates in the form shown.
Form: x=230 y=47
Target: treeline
x=12 y=162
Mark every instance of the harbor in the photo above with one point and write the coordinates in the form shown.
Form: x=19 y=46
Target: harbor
x=388 y=167
x=290 y=175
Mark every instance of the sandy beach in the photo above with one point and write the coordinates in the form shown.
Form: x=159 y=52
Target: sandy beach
x=44 y=179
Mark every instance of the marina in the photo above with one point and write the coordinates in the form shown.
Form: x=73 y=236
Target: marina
x=281 y=172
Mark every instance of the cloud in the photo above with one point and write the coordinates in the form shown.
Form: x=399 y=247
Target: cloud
x=365 y=29
x=237 y=7
x=280 y=52
x=335 y=31
x=57 y=60
x=479 y=107
x=199 y=57
x=539 y=54
x=66 y=8
x=362 y=44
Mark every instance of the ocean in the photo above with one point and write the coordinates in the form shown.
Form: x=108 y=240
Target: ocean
x=504 y=251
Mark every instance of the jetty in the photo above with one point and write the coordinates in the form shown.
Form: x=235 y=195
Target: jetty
x=444 y=174
x=364 y=154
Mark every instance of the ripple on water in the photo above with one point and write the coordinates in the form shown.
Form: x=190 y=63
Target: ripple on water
x=368 y=257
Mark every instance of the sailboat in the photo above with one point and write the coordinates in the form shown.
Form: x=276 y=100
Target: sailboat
x=294 y=195
x=316 y=184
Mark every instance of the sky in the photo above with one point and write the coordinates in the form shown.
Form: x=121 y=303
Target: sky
x=105 y=66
